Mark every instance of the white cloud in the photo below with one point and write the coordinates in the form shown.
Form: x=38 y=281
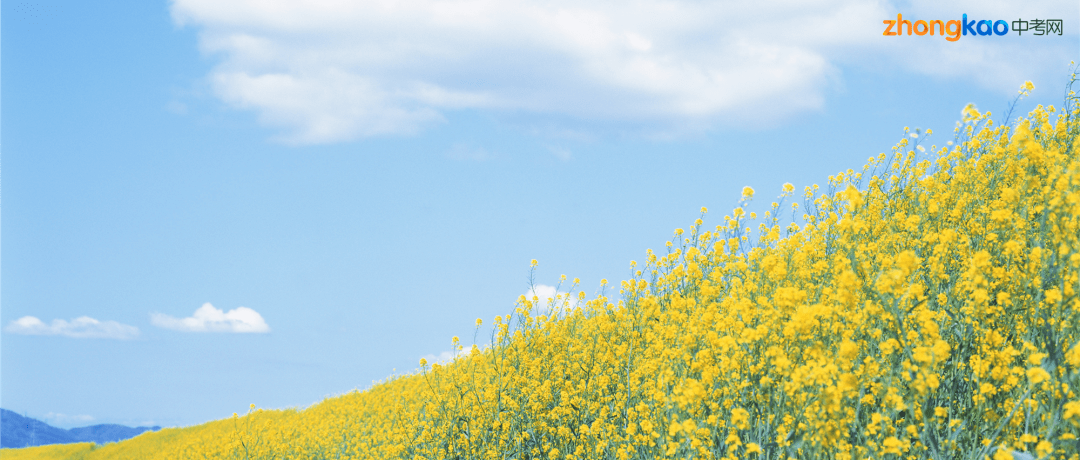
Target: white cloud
x=545 y=294
x=210 y=319
x=83 y=327
x=443 y=358
x=542 y=306
x=334 y=70
x=64 y=420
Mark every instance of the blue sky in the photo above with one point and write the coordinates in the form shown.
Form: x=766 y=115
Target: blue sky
x=351 y=184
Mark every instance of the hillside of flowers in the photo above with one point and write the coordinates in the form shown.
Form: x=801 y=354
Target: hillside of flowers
x=925 y=306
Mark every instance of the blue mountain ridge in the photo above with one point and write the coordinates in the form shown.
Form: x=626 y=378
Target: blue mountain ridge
x=19 y=431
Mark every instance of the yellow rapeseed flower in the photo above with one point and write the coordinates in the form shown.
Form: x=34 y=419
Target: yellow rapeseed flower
x=949 y=286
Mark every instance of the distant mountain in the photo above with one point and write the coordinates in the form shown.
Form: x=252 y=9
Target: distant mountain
x=19 y=431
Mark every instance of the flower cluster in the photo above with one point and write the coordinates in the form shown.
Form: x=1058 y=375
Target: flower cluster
x=927 y=307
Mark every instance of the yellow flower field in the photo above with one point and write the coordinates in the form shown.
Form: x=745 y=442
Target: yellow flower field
x=926 y=307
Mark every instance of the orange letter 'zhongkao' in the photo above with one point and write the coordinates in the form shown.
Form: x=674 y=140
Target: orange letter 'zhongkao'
x=888 y=30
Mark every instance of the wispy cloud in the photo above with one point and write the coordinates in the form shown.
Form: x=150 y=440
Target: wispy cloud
x=64 y=420
x=464 y=152
x=560 y=153
x=210 y=319
x=83 y=327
